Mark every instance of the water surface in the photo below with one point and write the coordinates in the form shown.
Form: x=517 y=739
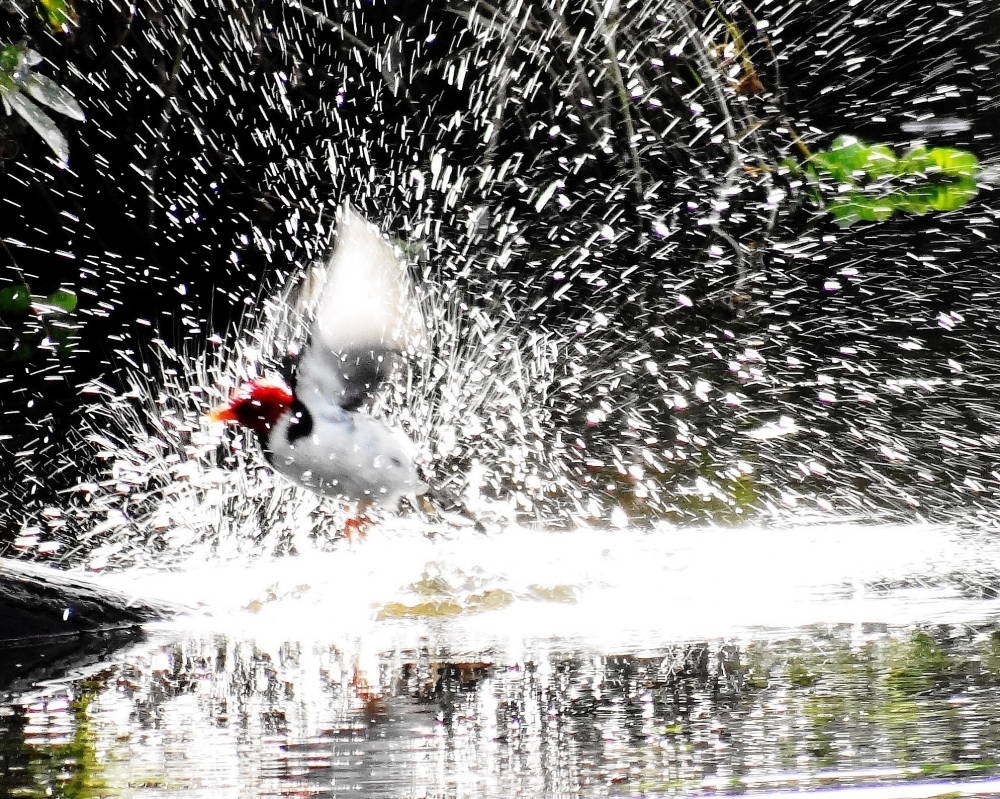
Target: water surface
x=539 y=664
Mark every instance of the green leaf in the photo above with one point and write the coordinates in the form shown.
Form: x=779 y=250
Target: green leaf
x=875 y=209
x=916 y=200
x=948 y=196
x=827 y=168
x=948 y=184
x=945 y=161
x=881 y=161
x=847 y=156
x=843 y=213
x=914 y=162
x=824 y=162
x=60 y=14
x=856 y=207
x=952 y=196
x=952 y=162
x=63 y=300
x=850 y=159
x=10 y=57
x=791 y=165
x=63 y=338
x=23 y=352
x=15 y=300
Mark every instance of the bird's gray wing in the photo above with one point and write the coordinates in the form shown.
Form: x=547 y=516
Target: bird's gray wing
x=362 y=317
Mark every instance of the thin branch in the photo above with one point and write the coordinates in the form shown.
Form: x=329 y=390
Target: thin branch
x=324 y=20
x=577 y=63
x=607 y=34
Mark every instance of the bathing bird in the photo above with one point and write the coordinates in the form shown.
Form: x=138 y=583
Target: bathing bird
x=314 y=428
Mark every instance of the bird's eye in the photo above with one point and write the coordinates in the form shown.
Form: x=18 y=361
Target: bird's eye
x=396 y=463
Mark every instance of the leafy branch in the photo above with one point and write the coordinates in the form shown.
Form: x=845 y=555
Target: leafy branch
x=18 y=83
x=17 y=78
x=872 y=183
x=855 y=181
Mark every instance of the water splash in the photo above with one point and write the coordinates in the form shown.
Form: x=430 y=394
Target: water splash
x=169 y=483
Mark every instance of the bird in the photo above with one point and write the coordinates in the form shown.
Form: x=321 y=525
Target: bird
x=313 y=427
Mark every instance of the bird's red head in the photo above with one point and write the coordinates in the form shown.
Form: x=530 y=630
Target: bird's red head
x=257 y=404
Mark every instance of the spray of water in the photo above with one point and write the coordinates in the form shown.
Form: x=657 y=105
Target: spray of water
x=167 y=483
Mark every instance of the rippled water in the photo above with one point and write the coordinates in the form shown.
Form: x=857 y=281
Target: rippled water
x=539 y=664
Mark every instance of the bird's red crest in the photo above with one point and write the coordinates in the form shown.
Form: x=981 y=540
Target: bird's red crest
x=258 y=404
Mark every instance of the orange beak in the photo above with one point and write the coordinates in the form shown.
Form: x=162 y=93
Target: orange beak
x=226 y=412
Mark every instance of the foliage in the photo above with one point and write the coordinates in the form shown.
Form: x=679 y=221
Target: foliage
x=33 y=321
x=872 y=183
x=18 y=80
x=59 y=14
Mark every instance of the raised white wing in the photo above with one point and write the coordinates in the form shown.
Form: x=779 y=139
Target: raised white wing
x=362 y=320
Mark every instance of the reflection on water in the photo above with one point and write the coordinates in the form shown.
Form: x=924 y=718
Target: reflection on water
x=217 y=716
x=619 y=663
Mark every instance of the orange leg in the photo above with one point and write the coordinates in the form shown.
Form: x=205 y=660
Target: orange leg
x=356 y=526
